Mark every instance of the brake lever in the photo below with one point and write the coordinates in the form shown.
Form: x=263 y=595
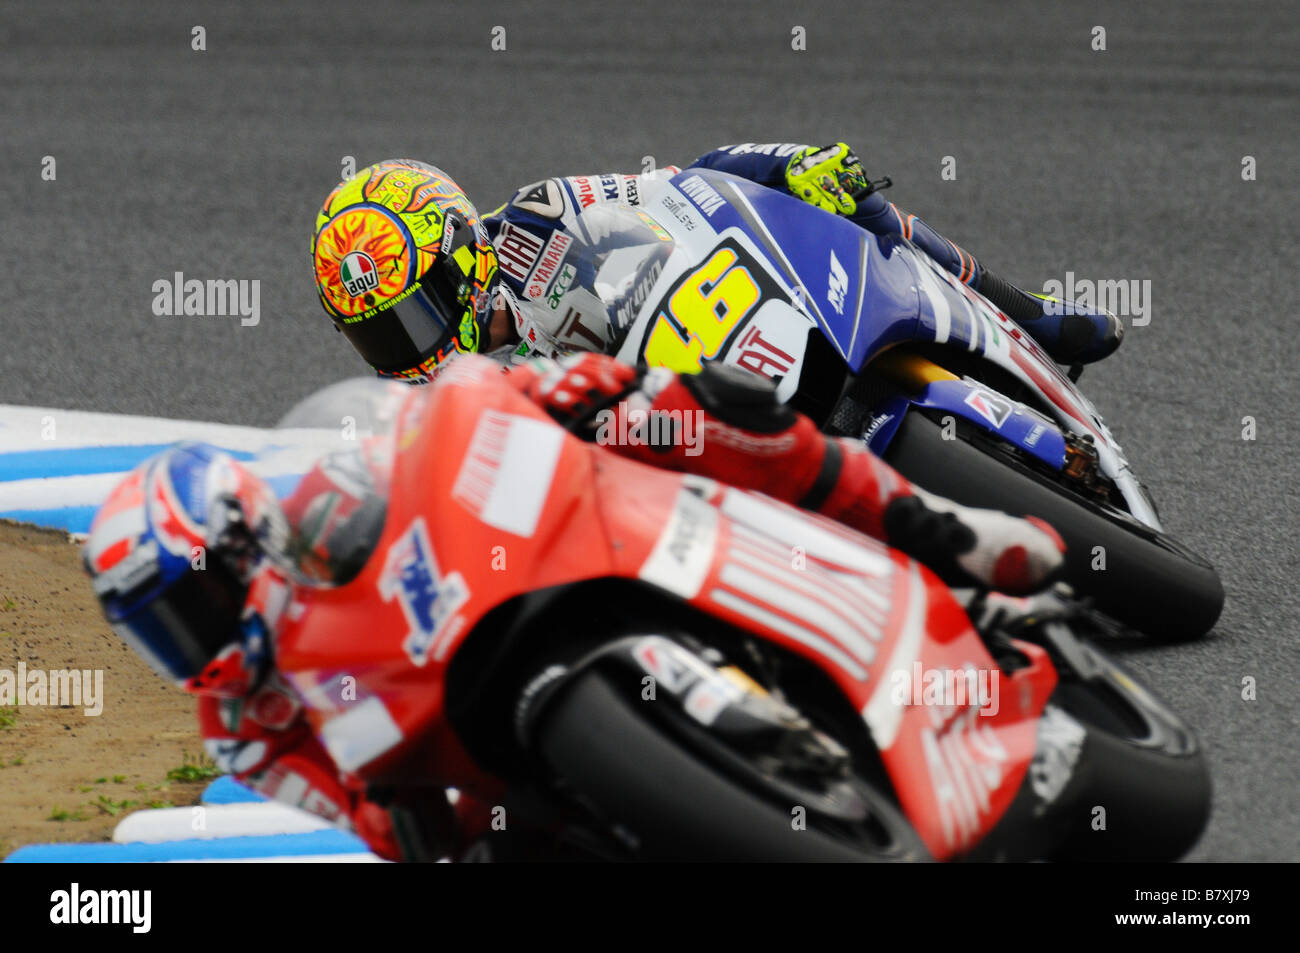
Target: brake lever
x=1012 y=615
x=873 y=185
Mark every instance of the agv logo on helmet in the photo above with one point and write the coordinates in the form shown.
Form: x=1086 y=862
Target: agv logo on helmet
x=358 y=273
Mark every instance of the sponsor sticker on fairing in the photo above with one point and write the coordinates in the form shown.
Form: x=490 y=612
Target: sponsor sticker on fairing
x=506 y=475
x=665 y=662
x=992 y=407
x=877 y=422
x=703 y=195
x=584 y=190
x=966 y=763
x=428 y=598
x=547 y=264
x=683 y=553
x=542 y=198
x=838 y=284
x=517 y=251
x=562 y=283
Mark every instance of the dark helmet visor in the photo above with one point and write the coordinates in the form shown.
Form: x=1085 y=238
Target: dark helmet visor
x=183 y=627
x=424 y=322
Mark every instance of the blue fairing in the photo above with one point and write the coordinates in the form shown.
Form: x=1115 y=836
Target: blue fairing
x=1013 y=422
x=874 y=303
x=868 y=293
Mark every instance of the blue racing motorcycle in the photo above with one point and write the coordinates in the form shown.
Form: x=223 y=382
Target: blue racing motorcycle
x=874 y=340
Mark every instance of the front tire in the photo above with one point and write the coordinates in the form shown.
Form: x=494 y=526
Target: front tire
x=674 y=804
x=1151 y=582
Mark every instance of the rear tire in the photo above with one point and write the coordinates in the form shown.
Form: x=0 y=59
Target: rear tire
x=677 y=806
x=1151 y=582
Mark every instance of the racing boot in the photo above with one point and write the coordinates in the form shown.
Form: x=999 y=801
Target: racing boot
x=1069 y=332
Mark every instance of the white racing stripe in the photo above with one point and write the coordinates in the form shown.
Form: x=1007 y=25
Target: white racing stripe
x=801 y=607
x=882 y=714
x=777 y=623
x=938 y=304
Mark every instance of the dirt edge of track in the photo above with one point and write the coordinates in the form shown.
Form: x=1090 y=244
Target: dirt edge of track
x=59 y=762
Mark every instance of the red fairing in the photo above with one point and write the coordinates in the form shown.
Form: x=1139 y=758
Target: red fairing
x=482 y=479
x=877 y=622
x=490 y=500
x=784 y=463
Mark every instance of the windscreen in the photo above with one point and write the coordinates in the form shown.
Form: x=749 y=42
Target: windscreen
x=330 y=466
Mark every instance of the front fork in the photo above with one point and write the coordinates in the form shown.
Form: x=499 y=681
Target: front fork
x=1086 y=464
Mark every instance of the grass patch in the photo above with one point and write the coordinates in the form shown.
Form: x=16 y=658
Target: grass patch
x=197 y=768
x=59 y=814
x=113 y=808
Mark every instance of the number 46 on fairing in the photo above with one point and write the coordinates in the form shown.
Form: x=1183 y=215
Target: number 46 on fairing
x=704 y=311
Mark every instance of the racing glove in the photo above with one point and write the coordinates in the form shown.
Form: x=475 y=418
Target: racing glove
x=965 y=545
x=829 y=177
x=746 y=438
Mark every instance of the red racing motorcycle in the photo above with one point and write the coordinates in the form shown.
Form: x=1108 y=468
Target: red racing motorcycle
x=644 y=666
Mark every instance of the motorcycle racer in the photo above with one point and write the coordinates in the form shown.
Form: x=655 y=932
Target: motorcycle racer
x=832 y=178
x=411 y=275
x=211 y=624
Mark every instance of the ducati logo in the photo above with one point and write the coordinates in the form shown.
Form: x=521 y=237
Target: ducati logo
x=358 y=273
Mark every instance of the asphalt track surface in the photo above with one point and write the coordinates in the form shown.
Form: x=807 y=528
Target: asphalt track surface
x=1118 y=164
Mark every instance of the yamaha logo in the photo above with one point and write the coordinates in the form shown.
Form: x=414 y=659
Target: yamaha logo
x=358 y=273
